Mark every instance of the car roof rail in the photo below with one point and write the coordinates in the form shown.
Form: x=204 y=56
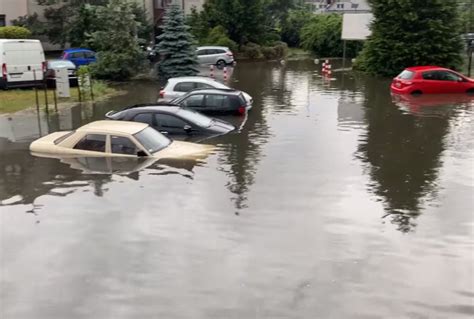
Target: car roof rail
x=216 y=89
x=150 y=104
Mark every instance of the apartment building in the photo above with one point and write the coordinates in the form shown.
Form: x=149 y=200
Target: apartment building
x=12 y=9
x=339 y=6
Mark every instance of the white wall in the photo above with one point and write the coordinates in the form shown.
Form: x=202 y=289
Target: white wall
x=12 y=9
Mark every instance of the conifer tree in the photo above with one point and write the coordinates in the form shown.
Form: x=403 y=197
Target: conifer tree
x=412 y=32
x=176 y=46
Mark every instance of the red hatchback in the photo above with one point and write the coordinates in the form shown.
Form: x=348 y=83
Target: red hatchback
x=431 y=80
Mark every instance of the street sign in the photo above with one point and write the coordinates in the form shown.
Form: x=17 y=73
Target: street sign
x=62 y=82
x=356 y=26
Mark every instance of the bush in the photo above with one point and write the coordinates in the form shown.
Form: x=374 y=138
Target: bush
x=251 y=51
x=218 y=36
x=13 y=32
x=322 y=35
x=278 y=51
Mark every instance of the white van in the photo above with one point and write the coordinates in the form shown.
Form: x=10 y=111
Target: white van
x=21 y=61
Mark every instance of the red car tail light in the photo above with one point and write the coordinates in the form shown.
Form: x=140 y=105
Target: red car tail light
x=241 y=110
x=44 y=66
x=162 y=94
x=4 y=70
x=230 y=53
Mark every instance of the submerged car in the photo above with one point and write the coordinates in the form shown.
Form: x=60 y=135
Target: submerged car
x=214 y=101
x=173 y=120
x=115 y=138
x=431 y=80
x=79 y=56
x=179 y=86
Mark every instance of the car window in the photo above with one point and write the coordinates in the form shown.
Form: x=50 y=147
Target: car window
x=406 y=75
x=448 y=76
x=152 y=140
x=193 y=100
x=220 y=51
x=166 y=120
x=201 y=52
x=430 y=75
x=122 y=145
x=89 y=55
x=77 y=55
x=91 y=142
x=195 y=117
x=217 y=100
x=146 y=118
x=184 y=87
x=203 y=86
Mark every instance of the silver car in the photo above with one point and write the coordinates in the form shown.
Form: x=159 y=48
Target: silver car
x=220 y=56
x=176 y=87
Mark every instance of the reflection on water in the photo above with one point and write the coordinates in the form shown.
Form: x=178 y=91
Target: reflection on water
x=333 y=199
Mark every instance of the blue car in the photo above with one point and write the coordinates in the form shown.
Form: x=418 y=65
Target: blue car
x=79 y=56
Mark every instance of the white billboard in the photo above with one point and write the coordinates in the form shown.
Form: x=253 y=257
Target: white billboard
x=356 y=26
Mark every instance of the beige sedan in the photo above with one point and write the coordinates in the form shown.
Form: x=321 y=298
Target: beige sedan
x=116 y=138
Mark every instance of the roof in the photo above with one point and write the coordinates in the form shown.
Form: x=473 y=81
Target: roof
x=19 y=40
x=214 y=91
x=212 y=47
x=77 y=50
x=192 y=78
x=424 y=67
x=108 y=126
x=137 y=109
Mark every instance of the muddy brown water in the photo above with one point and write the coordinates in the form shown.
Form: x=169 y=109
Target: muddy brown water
x=334 y=200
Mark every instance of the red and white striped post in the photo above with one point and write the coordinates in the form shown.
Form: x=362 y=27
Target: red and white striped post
x=225 y=73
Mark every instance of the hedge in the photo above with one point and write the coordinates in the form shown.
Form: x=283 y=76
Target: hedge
x=12 y=32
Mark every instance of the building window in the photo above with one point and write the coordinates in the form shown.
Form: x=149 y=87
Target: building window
x=2 y=20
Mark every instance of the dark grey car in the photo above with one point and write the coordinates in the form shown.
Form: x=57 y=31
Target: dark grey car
x=173 y=120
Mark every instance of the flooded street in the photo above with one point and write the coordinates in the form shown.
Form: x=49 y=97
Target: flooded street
x=332 y=201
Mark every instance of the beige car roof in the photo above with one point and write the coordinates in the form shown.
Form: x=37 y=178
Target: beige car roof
x=109 y=126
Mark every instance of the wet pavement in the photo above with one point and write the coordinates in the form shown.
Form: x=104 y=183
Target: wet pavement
x=334 y=200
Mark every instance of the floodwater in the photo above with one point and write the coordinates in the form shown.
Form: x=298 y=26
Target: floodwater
x=333 y=201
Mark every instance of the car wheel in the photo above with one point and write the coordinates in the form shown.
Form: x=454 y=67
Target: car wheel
x=221 y=63
x=470 y=91
x=416 y=93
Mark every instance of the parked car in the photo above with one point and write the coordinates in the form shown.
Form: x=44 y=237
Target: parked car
x=79 y=56
x=173 y=120
x=115 y=139
x=217 y=55
x=53 y=65
x=214 y=101
x=22 y=63
x=431 y=80
x=179 y=86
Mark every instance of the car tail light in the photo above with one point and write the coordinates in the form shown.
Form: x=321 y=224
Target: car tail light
x=241 y=110
x=44 y=65
x=162 y=94
x=230 y=53
x=4 y=70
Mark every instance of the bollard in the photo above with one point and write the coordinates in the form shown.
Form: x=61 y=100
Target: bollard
x=316 y=61
x=225 y=73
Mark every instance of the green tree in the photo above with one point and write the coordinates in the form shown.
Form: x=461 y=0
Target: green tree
x=119 y=56
x=73 y=21
x=176 y=46
x=405 y=33
x=322 y=35
x=291 y=27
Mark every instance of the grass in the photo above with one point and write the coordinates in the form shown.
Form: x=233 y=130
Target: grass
x=297 y=53
x=21 y=99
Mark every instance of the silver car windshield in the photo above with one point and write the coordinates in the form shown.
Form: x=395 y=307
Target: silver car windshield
x=195 y=117
x=152 y=140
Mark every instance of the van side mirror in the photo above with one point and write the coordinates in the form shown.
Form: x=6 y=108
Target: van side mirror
x=141 y=154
